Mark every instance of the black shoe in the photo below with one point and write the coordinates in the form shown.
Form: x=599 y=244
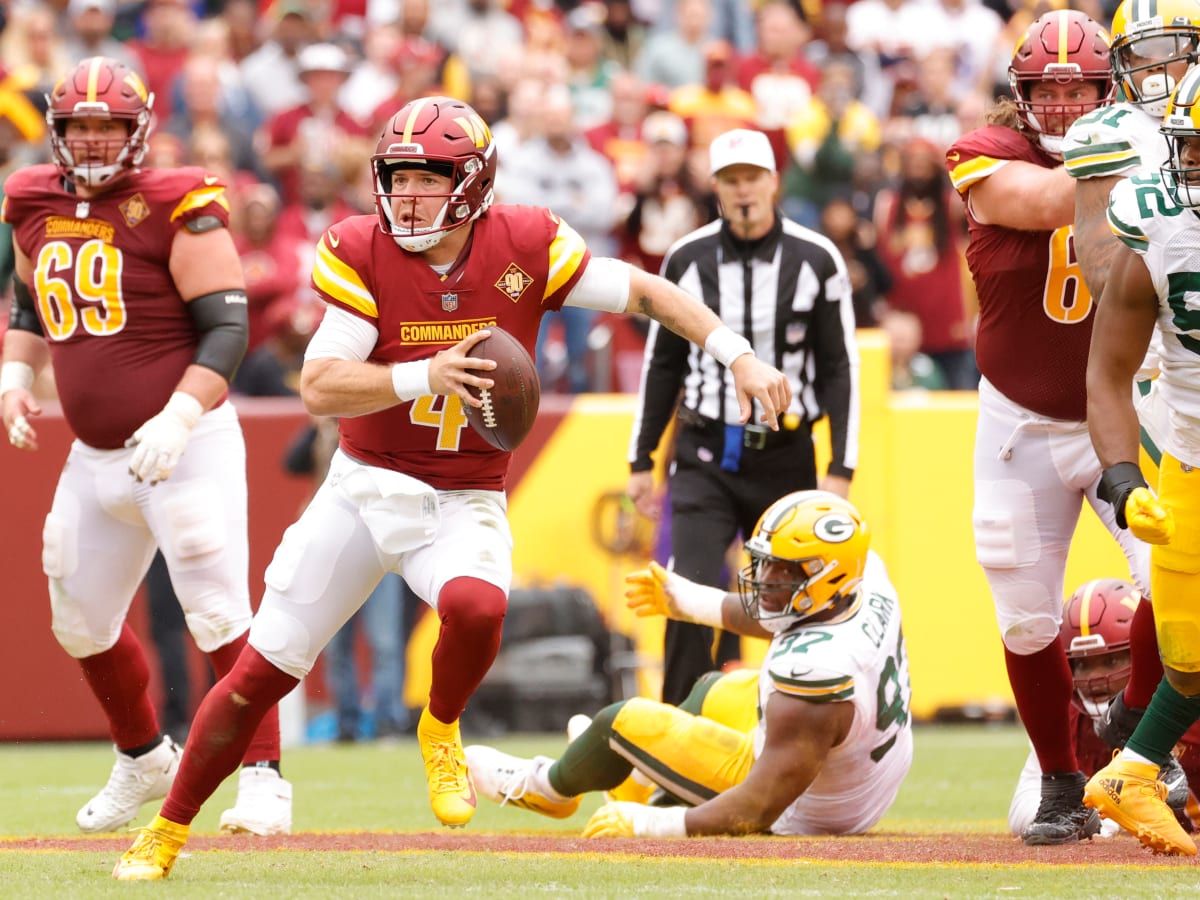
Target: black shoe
x=1178 y=791
x=1118 y=723
x=1061 y=817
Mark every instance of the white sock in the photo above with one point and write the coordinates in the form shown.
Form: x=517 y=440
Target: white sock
x=1129 y=756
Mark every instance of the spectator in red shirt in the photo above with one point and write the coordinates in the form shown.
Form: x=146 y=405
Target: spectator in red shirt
x=163 y=49
x=271 y=260
x=311 y=132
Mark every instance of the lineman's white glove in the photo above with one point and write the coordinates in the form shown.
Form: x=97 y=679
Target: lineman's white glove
x=623 y=819
x=161 y=439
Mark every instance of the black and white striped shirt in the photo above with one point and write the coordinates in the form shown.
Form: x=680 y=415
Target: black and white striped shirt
x=789 y=294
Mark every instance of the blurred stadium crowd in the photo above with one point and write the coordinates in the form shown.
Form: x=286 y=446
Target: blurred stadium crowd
x=602 y=110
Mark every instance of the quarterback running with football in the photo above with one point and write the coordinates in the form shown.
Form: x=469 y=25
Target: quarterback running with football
x=412 y=488
x=834 y=740
x=1154 y=283
x=128 y=282
x=1034 y=463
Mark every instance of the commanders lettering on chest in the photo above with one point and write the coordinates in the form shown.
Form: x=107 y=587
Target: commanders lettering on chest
x=877 y=613
x=442 y=332
x=67 y=227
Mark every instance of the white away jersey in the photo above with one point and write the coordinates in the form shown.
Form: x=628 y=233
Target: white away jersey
x=1143 y=215
x=861 y=659
x=1113 y=140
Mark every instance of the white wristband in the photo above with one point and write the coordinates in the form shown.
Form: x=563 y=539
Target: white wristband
x=410 y=380
x=663 y=822
x=725 y=345
x=16 y=375
x=187 y=407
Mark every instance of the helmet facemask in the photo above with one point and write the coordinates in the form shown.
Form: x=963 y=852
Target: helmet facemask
x=1145 y=57
x=812 y=587
x=1095 y=634
x=133 y=144
x=465 y=201
x=1181 y=129
x=1098 y=672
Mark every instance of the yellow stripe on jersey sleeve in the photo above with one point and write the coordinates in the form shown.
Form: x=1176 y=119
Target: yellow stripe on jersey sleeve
x=966 y=174
x=827 y=690
x=4 y=211
x=200 y=197
x=566 y=254
x=341 y=282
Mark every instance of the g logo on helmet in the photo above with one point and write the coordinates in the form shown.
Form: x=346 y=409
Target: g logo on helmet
x=834 y=528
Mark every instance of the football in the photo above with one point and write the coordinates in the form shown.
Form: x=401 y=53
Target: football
x=511 y=405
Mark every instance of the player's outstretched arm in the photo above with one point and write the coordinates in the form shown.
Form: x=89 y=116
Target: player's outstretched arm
x=25 y=355
x=656 y=592
x=1025 y=196
x=679 y=311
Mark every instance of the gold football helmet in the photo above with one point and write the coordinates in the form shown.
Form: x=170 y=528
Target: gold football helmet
x=1181 y=127
x=808 y=551
x=1163 y=35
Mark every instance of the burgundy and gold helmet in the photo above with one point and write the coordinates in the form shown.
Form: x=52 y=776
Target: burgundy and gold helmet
x=1063 y=46
x=100 y=88
x=1095 y=633
x=445 y=136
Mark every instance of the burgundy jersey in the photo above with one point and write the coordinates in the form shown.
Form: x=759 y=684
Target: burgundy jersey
x=521 y=262
x=120 y=335
x=1035 y=313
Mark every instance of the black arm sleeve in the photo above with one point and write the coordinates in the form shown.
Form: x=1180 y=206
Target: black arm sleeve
x=836 y=381
x=223 y=322
x=22 y=316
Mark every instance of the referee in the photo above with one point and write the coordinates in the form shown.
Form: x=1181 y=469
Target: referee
x=784 y=288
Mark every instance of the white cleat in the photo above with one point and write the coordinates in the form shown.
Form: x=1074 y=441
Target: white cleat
x=513 y=781
x=131 y=783
x=264 y=804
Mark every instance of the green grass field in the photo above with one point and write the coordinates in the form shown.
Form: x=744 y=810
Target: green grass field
x=961 y=782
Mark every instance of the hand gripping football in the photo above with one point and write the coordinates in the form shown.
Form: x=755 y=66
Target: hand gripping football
x=511 y=405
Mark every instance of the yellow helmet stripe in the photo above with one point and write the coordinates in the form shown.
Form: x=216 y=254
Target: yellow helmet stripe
x=93 y=78
x=1085 y=612
x=1064 y=29
x=412 y=120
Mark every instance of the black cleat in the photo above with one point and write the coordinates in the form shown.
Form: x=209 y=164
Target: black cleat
x=1061 y=817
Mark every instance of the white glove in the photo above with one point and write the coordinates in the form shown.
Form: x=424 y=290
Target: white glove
x=161 y=439
x=623 y=819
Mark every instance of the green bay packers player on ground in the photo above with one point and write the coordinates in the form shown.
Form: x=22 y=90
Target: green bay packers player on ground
x=1153 y=45
x=1155 y=282
x=833 y=741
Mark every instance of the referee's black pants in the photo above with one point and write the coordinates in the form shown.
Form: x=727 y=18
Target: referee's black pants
x=709 y=508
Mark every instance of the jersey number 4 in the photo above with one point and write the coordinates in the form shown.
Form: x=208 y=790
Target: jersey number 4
x=80 y=288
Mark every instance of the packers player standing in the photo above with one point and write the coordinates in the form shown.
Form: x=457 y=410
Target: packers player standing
x=1154 y=282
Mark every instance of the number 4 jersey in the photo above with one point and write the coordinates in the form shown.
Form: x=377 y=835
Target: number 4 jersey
x=859 y=658
x=1142 y=213
x=1035 y=321
x=120 y=335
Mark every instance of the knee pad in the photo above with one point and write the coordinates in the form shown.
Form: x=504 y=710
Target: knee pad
x=283 y=641
x=194 y=519
x=1028 y=616
x=1006 y=534
x=70 y=626
x=215 y=624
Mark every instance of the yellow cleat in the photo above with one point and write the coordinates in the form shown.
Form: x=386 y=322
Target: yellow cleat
x=1130 y=794
x=154 y=852
x=451 y=793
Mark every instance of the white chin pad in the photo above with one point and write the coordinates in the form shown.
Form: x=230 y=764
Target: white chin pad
x=1156 y=89
x=1051 y=143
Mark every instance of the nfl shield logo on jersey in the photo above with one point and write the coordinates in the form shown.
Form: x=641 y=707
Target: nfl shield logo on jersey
x=450 y=302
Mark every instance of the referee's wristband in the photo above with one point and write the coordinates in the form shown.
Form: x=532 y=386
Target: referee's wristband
x=410 y=380
x=725 y=345
x=14 y=374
